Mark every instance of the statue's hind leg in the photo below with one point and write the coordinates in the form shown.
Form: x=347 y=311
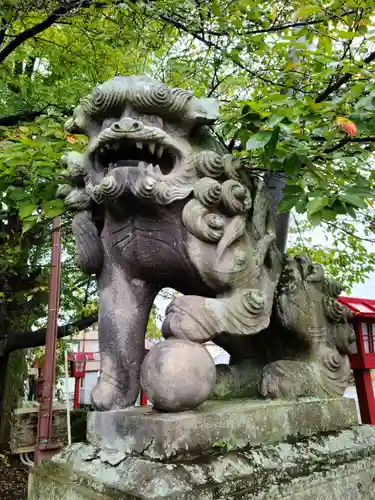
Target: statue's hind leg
x=125 y=304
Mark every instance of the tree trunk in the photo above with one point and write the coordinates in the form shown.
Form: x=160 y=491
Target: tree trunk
x=13 y=371
x=275 y=184
x=4 y=362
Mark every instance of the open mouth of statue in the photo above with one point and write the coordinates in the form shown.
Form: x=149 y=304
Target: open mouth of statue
x=129 y=142
x=125 y=153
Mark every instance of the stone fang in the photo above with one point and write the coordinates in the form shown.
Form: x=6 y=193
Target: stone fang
x=159 y=151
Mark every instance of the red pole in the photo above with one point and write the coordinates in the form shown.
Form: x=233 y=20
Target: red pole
x=76 y=393
x=44 y=444
x=363 y=382
x=366 y=399
x=143 y=399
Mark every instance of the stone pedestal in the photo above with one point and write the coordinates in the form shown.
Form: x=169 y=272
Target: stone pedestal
x=253 y=450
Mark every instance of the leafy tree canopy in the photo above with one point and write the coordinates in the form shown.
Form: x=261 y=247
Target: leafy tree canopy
x=297 y=91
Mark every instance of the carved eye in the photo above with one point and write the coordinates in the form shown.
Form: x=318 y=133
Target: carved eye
x=108 y=122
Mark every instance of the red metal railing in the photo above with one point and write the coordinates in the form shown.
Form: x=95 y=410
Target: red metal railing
x=44 y=445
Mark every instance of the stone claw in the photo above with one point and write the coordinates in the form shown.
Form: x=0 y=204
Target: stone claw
x=280 y=380
x=182 y=319
x=108 y=394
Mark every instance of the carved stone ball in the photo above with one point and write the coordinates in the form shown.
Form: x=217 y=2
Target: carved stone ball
x=178 y=375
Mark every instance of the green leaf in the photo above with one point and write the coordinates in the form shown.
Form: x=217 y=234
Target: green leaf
x=271 y=145
x=53 y=208
x=328 y=214
x=259 y=140
x=325 y=43
x=347 y=35
x=26 y=210
x=367 y=103
x=351 y=211
x=307 y=11
x=18 y=194
x=292 y=164
x=301 y=204
x=287 y=203
x=361 y=191
x=275 y=119
x=315 y=218
x=317 y=204
x=215 y=8
x=29 y=223
x=292 y=189
x=353 y=200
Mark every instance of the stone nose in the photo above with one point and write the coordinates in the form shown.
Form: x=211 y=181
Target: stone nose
x=127 y=124
x=150 y=120
x=131 y=112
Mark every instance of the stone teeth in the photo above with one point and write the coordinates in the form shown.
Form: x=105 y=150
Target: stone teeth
x=157 y=170
x=151 y=147
x=139 y=145
x=150 y=168
x=159 y=151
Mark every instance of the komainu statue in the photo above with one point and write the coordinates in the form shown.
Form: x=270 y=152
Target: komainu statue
x=160 y=202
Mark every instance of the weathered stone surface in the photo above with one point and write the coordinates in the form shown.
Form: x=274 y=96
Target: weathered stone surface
x=239 y=380
x=244 y=423
x=178 y=375
x=161 y=202
x=24 y=428
x=338 y=466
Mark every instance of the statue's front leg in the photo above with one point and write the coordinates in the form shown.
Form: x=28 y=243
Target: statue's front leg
x=199 y=319
x=125 y=304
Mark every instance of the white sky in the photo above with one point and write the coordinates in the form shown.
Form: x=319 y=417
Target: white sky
x=365 y=290
x=361 y=290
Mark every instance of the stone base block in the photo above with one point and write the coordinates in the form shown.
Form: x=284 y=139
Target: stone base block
x=238 y=423
x=339 y=466
x=304 y=461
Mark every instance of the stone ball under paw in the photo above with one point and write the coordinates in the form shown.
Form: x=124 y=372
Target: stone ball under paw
x=178 y=375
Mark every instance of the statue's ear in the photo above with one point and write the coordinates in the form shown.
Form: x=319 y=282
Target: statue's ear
x=203 y=111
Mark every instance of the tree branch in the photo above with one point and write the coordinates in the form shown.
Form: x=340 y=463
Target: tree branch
x=3 y=29
x=213 y=45
x=29 y=115
x=350 y=233
x=37 y=338
x=65 y=9
x=34 y=30
x=342 y=80
x=347 y=140
x=298 y=24
x=26 y=116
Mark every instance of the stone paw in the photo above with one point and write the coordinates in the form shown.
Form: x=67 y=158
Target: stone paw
x=281 y=380
x=108 y=394
x=186 y=318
